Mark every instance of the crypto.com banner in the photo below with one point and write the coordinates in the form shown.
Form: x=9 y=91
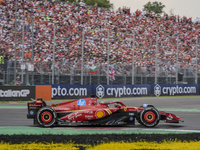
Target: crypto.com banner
x=175 y=89
x=63 y=91
x=105 y=91
x=66 y=91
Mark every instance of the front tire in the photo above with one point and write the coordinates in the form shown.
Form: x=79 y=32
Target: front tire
x=150 y=117
x=46 y=116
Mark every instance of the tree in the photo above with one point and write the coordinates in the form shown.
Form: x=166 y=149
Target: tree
x=157 y=7
x=100 y=3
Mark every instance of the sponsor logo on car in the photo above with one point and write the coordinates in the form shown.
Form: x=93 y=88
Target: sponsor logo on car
x=130 y=109
x=120 y=122
x=73 y=116
x=100 y=114
x=131 y=118
x=89 y=116
x=35 y=105
x=169 y=117
x=31 y=112
x=81 y=102
x=88 y=112
x=61 y=109
x=131 y=114
x=54 y=105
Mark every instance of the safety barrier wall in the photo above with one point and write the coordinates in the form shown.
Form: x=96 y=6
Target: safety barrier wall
x=111 y=91
x=66 y=91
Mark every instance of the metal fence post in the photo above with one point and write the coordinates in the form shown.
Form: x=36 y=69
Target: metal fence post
x=32 y=75
x=196 y=76
x=22 y=68
x=98 y=74
x=108 y=52
x=133 y=55
x=53 y=65
x=82 y=57
x=156 y=65
x=15 y=64
x=71 y=74
x=4 y=77
x=177 y=61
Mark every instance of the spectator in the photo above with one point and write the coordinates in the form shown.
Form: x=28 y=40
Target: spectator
x=96 y=5
x=82 y=4
x=18 y=82
x=70 y=20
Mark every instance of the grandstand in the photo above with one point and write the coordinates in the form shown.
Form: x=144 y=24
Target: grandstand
x=175 y=34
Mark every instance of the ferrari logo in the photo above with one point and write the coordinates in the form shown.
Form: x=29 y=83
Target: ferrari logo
x=125 y=109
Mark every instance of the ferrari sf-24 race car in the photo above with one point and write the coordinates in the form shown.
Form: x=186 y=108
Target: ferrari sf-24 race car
x=88 y=112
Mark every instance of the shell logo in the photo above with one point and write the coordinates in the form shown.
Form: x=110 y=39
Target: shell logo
x=99 y=114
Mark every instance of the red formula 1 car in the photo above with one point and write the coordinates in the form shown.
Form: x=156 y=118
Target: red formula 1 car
x=88 y=112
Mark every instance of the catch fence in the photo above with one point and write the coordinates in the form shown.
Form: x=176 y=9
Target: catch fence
x=156 y=58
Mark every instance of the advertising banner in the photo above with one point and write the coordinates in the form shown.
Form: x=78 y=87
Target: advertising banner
x=62 y=91
x=43 y=91
x=174 y=89
x=106 y=91
x=66 y=91
x=12 y=93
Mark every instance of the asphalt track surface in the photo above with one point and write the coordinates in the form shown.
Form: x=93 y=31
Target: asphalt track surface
x=184 y=107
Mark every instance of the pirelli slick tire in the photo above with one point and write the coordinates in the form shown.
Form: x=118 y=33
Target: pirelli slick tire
x=149 y=117
x=46 y=116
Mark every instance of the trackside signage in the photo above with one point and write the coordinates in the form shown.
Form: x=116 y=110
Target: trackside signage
x=175 y=89
x=17 y=93
x=64 y=91
x=105 y=91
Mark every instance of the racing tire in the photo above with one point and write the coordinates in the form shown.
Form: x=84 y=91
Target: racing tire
x=46 y=116
x=150 y=117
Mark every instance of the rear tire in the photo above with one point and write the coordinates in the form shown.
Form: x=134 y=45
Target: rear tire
x=46 y=116
x=150 y=117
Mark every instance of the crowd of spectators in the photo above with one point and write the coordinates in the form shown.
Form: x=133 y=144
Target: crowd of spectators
x=70 y=20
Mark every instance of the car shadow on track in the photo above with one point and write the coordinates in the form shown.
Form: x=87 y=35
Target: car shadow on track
x=118 y=127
